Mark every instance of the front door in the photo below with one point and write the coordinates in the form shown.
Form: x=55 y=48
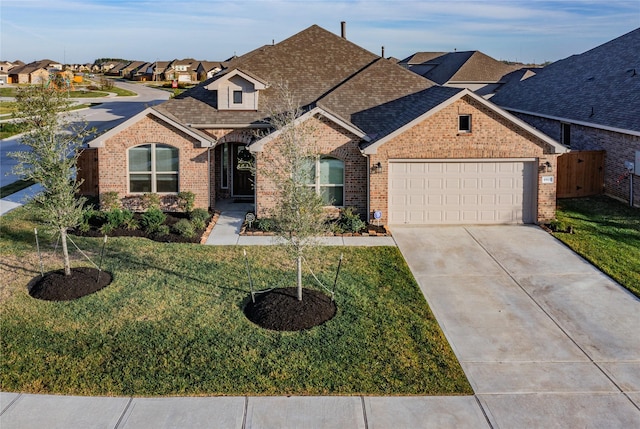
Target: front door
x=243 y=163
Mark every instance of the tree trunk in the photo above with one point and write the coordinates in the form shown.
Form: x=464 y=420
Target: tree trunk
x=299 y=278
x=65 y=251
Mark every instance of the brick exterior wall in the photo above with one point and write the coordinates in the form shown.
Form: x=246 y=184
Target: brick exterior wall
x=332 y=141
x=619 y=147
x=193 y=173
x=437 y=137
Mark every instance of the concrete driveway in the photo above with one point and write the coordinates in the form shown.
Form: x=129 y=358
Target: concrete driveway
x=546 y=340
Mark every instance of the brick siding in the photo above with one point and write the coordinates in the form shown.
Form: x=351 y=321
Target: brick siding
x=619 y=148
x=437 y=137
x=193 y=174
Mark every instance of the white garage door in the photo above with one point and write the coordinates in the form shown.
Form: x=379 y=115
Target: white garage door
x=460 y=192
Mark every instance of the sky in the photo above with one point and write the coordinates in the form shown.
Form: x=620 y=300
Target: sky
x=531 y=31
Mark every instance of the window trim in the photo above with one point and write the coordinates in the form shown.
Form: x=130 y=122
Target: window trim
x=153 y=172
x=318 y=186
x=464 y=130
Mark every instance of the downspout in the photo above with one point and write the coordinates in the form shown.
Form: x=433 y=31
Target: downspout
x=211 y=206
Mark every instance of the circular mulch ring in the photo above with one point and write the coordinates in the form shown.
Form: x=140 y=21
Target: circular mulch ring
x=280 y=310
x=55 y=286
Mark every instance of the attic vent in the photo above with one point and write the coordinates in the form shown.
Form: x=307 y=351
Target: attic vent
x=590 y=79
x=633 y=72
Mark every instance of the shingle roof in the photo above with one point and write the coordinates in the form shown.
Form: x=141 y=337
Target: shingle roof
x=600 y=86
x=323 y=69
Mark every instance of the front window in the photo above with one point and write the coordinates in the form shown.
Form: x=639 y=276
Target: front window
x=330 y=182
x=153 y=168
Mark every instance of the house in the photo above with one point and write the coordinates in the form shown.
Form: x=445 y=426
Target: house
x=393 y=144
x=465 y=69
x=206 y=69
x=35 y=72
x=182 y=70
x=589 y=102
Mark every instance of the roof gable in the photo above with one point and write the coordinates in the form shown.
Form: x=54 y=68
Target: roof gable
x=448 y=99
x=204 y=139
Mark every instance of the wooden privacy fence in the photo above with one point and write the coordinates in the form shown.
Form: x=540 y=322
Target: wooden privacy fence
x=580 y=173
x=88 y=171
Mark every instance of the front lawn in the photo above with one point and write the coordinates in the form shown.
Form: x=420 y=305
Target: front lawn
x=171 y=323
x=606 y=233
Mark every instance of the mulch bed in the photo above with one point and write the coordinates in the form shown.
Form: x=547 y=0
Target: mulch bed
x=369 y=231
x=55 y=286
x=280 y=310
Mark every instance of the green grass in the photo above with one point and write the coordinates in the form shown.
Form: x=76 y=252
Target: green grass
x=607 y=233
x=87 y=94
x=8 y=92
x=122 y=92
x=171 y=323
x=7 y=107
x=8 y=129
x=14 y=187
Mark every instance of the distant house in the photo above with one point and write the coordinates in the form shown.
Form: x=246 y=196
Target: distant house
x=206 y=69
x=392 y=144
x=469 y=69
x=182 y=70
x=589 y=101
x=34 y=73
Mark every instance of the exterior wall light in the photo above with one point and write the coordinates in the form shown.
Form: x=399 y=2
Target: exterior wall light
x=548 y=167
x=376 y=168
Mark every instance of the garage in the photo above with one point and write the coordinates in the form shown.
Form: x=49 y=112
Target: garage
x=453 y=192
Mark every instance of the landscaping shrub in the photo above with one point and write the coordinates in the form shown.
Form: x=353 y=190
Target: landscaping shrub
x=152 y=221
x=265 y=224
x=350 y=221
x=150 y=201
x=110 y=201
x=186 y=201
x=199 y=215
x=185 y=228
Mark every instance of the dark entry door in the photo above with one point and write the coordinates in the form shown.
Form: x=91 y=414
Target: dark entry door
x=242 y=171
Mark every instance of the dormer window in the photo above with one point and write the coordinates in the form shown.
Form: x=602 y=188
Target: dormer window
x=237 y=97
x=237 y=91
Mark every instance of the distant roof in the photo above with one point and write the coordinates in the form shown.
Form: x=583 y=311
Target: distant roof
x=599 y=87
x=464 y=66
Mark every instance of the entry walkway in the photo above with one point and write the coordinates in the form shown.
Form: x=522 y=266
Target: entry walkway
x=546 y=340
x=232 y=215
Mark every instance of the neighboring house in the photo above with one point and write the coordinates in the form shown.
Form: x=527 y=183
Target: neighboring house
x=589 y=101
x=34 y=73
x=469 y=69
x=206 y=69
x=390 y=140
x=182 y=70
x=156 y=70
x=117 y=69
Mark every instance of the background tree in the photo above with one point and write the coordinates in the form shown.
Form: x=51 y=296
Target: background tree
x=299 y=215
x=53 y=142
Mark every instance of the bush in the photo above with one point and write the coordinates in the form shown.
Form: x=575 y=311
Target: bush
x=110 y=201
x=186 y=201
x=150 y=201
x=350 y=221
x=185 y=228
x=162 y=230
x=199 y=214
x=152 y=220
x=264 y=224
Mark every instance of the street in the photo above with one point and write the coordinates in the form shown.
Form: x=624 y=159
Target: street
x=111 y=112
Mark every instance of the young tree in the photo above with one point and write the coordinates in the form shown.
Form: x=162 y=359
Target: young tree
x=53 y=142
x=299 y=215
